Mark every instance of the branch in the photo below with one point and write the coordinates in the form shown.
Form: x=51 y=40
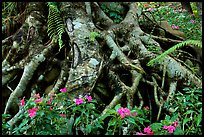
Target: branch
x=121 y=56
x=26 y=77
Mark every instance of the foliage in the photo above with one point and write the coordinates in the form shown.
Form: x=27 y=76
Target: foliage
x=172 y=49
x=48 y=119
x=113 y=13
x=58 y=115
x=5 y=125
x=188 y=106
x=10 y=17
x=93 y=36
x=176 y=16
x=55 y=24
x=135 y=119
x=86 y=114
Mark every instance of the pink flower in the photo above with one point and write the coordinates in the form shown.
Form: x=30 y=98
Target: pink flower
x=49 y=101
x=149 y=9
x=63 y=115
x=32 y=112
x=175 y=124
x=175 y=27
x=22 y=102
x=192 y=21
x=79 y=101
x=123 y=112
x=50 y=107
x=89 y=98
x=171 y=129
x=165 y=127
x=63 y=90
x=38 y=100
x=148 y=131
x=37 y=95
x=140 y=133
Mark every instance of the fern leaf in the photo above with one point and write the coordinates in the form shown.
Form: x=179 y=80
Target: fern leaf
x=172 y=49
x=55 y=24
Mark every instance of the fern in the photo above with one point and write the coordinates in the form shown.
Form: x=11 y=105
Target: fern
x=55 y=24
x=172 y=49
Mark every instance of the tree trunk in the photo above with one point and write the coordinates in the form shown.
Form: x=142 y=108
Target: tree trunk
x=187 y=6
x=116 y=59
x=199 y=6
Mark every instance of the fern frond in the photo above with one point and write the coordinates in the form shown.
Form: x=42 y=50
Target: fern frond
x=172 y=49
x=55 y=24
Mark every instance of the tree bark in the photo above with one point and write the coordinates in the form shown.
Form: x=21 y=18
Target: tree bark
x=116 y=59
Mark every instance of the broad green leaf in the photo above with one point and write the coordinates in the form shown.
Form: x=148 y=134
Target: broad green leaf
x=117 y=107
x=77 y=121
x=156 y=126
x=186 y=120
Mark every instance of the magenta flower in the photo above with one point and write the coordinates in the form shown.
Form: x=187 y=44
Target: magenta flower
x=123 y=112
x=32 y=112
x=38 y=100
x=148 y=131
x=175 y=27
x=192 y=21
x=175 y=124
x=22 y=102
x=49 y=101
x=170 y=128
x=89 y=98
x=165 y=127
x=79 y=101
x=63 y=90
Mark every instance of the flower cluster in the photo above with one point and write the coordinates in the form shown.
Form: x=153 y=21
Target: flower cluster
x=89 y=98
x=32 y=112
x=124 y=112
x=192 y=21
x=63 y=90
x=171 y=128
x=147 y=130
x=175 y=27
x=79 y=101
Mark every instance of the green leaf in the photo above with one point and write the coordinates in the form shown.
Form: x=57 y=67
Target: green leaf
x=117 y=107
x=77 y=121
x=189 y=112
x=199 y=119
x=186 y=120
x=131 y=120
x=88 y=129
x=112 y=122
x=156 y=126
x=178 y=131
x=174 y=117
